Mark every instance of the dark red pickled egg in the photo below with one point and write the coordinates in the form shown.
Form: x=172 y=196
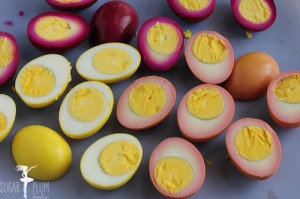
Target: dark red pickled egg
x=283 y=98
x=71 y=5
x=9 y=57
x=176 y=168
x=204 y=112
x=160 y=42
x=57 y=31
x=146 y=102
x=209 y=56
x=192 y=9
x=253 y=147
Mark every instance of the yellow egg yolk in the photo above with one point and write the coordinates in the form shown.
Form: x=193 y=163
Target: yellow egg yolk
x=253 y=143
x=53 y=28
x=3 y=122
x=36 y=81
x=68 y=1
x=86 y=104
x=205 y=103
x=119 y=157
x=209 y=49
x=194 y=5
x=288 y=89
x=147 y=99
x=6 y=51
x=173 y=174
x=112 y=60
x=254 y=11
x=187 y=33
x=162 y=38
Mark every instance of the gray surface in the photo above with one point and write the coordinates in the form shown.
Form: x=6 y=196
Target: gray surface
x=222 y=179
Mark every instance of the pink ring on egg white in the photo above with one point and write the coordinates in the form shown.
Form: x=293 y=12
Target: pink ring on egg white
x=70 y=6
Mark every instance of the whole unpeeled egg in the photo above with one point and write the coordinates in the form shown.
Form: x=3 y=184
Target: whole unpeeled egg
x=7 y=115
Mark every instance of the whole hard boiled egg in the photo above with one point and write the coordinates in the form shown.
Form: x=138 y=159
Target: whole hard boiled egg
x=111 y=161
x=204 y=112
x=254 y=148
x=85 y=109
x=71 y=5
x=7 y=115
x=43 y=80
x=177 y=168
x=109 y=62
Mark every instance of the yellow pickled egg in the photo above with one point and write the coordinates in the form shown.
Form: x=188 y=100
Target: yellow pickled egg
x=7 y=115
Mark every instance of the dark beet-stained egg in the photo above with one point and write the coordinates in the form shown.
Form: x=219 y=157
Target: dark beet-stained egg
x=71 y=5
x=283 y=97
x=146 y=102
x=192 y=9
x=176 y=168
x=209 y=56
x=160 y=42
x=57 y=31
x=9 y=57
x=204 y=112
x=253 y=147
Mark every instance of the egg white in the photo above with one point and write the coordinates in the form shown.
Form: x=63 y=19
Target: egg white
x=8 y=108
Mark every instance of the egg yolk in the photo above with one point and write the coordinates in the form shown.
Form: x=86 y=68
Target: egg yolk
x=36 y=81
x=173 y=174
x=162 y=38
x=68 y=1
x=112 y=61
x=205 y=103
x=119 y=157
x=253 y=143
x=86 y=104
x=147 y=99
x=254 y=11
x=53 y=28
x=194 y=5
x=288 y=89
x=6 y=52
x=3 y=123
x=209 y=49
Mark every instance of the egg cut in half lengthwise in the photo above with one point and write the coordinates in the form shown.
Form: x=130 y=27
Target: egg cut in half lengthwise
x=71 y=5
x=7 y=115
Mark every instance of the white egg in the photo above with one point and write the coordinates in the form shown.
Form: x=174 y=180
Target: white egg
x=7 y=115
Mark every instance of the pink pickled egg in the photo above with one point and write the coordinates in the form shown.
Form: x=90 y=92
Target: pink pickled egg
x=204 y=112
x=160 y=42
x=177 y=168
x=57 y=31
x=146 y=102
x=209 y=56
x=253 y=147
x=71 y=5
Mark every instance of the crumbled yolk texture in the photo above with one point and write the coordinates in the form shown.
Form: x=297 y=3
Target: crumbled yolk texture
x=86 y=104
x=162 y=38
x=205 y=103
x=119 y=157
x=253 y=143
x=53 y=28
x=187 y=33
x=194 y=5
x=147 y=99
x=209 y=49
x=36 y=81
x=6 y=51
x=68 y=1
x=288 y=89
x=254 y=11
x=112 y=61
x=3 y=122
x=173 y=174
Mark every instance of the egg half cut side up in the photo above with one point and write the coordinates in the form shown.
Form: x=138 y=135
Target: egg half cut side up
x=7 y=115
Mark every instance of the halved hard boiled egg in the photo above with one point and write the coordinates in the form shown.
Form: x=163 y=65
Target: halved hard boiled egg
x=71 y=5
x=283 y=97
x=111 y=161
x=7 y=115
x=177 y=168
x=43 y=80
x=146 y=102
x=85 y=109
x=204 y=112
x=109 y=62
x=209 y=56
x=253 y=147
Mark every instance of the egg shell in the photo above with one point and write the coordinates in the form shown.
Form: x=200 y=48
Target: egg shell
x=203 y=130
x=133 y=121
x=92 y=171
x=8 y=108
x=71 y=6
x=209 y=73
x=258 y=169
x=80 y=31
x=284 y=114
x=152 y=59
x=7 y=72
x=178 y=147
